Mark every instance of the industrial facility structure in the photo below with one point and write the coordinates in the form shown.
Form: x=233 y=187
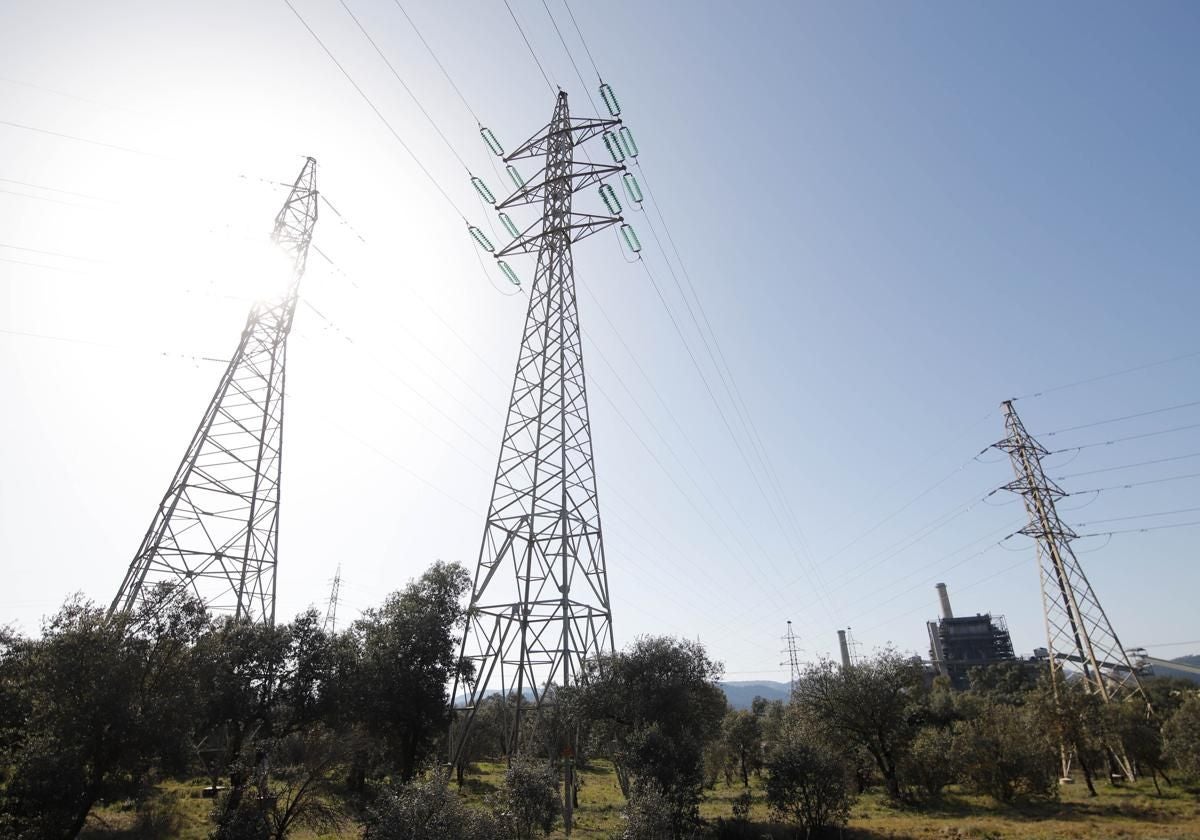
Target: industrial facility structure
x=956 y=645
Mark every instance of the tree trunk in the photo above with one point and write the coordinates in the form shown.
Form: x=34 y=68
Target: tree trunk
x=356 y=776
x=1087 y=777
x=85 y=808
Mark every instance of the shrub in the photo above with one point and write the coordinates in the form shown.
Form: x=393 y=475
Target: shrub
x=648 y=814
x=1181 y=736
x=530 y=798
x=1004 y=753
x=426 y=810
x=929 y=762
x=809 y=786
x=742 y=805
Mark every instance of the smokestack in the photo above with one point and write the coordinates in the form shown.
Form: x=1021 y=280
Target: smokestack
x=845 y=648
x=945 y=599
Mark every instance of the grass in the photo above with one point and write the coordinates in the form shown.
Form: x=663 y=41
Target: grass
x=1128 y=812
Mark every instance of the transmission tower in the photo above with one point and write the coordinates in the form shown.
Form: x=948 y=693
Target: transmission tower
x=1077 y=629
x=216 y=531
x=540 y=602
x=330 y=624
x=793 y=655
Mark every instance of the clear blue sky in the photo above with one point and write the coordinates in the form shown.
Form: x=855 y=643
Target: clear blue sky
x=895 y=215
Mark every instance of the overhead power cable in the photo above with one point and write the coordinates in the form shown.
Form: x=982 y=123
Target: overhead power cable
x=403 y=84
x=582 y=40
x=1136 y=516
x=1118 y=419
x=1138 y=484
x=50 y=253
x=525 y=38
x=437 y=61
x=582 y=84
x=77 y=138
x=1127 y=438
x=725 y=374
x=1130 y=466
x=674 y=548
x=395 y=134
x=56 y=190
x=1192 y=524
x=1088 y=381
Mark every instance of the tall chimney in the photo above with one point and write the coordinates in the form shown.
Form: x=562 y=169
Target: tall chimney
x=945 y=599
x=845 y=648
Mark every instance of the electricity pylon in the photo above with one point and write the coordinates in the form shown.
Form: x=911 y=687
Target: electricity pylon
x=540 y=603
x=335 y=591
x=1077 y=629
x=793 y=654
x=216 y=531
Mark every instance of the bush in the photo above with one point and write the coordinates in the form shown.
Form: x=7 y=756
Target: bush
x=809 y=786
x=1005 y=753
x=742 y=805
x=929 y=762
x=426 y=810
x=648 y=814
x=530 y=798
x=1181 y=736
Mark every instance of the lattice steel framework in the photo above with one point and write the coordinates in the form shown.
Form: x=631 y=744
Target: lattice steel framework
x=216 y=530
x=1077 y=629
x=540 y=602
x=792 y=650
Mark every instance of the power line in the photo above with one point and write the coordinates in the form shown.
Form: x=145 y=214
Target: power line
x=56 y=190
x=1138 y=484
x=46 y=267
x=1126 y=438
x=1104 y=376
x=582 y=40
x=1142 y=530
x=1136 y=516
x=570 y=57
x=403 y=84
x=1125 y=417
x=79 y=139
x=124 y=348
x=52 y=200
x=45 y=89
x=436 y=61
x=1130 y=466
x=50 y=253
x=524 y=38
x=720 y=411
x=376 y=110
x=677 y=551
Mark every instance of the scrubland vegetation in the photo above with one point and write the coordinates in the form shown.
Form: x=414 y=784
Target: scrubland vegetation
x=168 y=723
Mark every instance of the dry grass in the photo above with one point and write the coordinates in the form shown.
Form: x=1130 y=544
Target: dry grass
x=1129 y=812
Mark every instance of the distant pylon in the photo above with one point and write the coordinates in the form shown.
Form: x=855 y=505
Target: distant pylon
x=330 y=624
x=539 y=605
x=216 y=531
x=793 y=657
x=1077 y=628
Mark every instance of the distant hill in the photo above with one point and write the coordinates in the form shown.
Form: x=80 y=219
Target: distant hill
x=1167 y=671
x=741 y=694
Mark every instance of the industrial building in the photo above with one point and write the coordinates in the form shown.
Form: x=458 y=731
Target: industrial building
x=956 y=645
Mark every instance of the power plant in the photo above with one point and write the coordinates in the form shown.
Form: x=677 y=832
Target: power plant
x=956 y=645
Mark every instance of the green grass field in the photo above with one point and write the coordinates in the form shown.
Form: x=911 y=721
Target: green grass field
x=1130 y=811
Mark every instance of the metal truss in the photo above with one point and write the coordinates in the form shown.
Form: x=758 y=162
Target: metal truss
x=1077 y=629
x=216 y=531
x=540 y=602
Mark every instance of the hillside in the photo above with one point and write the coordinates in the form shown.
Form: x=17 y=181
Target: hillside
x=741 y=694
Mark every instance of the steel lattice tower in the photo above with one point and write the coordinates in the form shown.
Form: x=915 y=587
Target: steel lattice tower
x=1077 y=628
x=540 y=603
x=793 y=655
x=216 y=530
